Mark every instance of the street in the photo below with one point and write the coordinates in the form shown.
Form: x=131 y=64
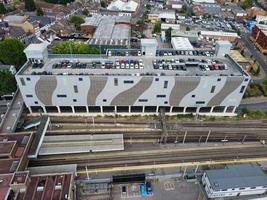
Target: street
x=254 y=51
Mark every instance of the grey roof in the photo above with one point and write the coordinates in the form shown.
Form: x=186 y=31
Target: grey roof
x=113 y=27
x=211 y=8
x=41 y=19
x=237 y=176
x=16 y=32
x=5 y=67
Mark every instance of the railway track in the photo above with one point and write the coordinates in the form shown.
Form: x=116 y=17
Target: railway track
x=108 y=159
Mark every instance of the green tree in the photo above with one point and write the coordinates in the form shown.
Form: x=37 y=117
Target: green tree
x=3 y=9
x=148 y=6
x=8 y=82
x=77 y=21
x=184 y=9
x=247 y=4
x=157 y=28
x=30 y=5
x=39 y=11
x=12 y=52
x=85 y=12
x=103 y=4
x=168 y=34
x=71 y=47
x=188 y=28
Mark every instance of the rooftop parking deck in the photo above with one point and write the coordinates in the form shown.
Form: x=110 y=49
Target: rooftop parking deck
x=166 y=64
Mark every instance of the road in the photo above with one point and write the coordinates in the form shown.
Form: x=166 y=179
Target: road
x=256 y=54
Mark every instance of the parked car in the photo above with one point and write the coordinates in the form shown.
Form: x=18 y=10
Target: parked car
x=142 y=190
x=148 y=188
x=123 y=189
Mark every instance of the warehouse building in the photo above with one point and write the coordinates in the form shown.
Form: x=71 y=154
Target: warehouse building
x=110 y=32
x=234 y=180
x=190 y=81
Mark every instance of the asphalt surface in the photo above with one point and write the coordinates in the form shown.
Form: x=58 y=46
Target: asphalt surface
x=255 y=106
x=255 y=52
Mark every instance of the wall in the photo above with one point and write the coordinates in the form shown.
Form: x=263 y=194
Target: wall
x=102 y=91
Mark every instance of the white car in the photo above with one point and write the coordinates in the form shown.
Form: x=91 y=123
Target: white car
x=139 y=53
x=207 y=68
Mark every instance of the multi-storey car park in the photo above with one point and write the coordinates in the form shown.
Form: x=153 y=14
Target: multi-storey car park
x=189 y=81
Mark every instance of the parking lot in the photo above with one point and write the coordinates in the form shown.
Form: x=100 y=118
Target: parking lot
x=168 y=189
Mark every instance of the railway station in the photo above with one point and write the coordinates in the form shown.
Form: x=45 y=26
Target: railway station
x=53 y=145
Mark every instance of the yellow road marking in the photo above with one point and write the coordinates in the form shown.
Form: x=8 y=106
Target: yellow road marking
x=171 y=165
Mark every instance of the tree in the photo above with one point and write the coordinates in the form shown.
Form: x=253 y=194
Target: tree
x=12 y=52
x=3 y=9
x=77 y=21
x=30 y=5
x=188 y=28
x=247 y=4
x=184 y=9
x=85 y=12
x=8 y=82
x=148 y=6
x=157 y=28
x=103 y=4
x=71 y=47
x=39 y=11
x=168 y=34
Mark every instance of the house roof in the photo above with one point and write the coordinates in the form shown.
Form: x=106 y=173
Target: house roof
x=129 y=6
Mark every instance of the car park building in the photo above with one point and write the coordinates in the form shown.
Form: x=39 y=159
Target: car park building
x=187 y=81
x=234 y=180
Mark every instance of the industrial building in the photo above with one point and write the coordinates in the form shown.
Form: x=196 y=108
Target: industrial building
x=110 y=31
x=189 y=81
x=259 y=35
x=234 y=180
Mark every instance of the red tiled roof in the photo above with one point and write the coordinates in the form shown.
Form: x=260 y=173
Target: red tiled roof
x=6 y=147
x=4 y=185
